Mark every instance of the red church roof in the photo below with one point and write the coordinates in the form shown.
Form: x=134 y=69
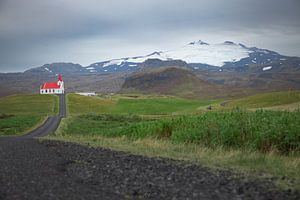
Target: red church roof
x=50 y=85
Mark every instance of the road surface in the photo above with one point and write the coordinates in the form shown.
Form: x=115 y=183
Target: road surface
x=52 y=122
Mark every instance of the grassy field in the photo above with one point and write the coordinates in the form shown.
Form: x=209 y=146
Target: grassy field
x=263 y=131
x=272 y=99
x=133 y=104
x=20 y=113
x=236 y=135
x=189 y=121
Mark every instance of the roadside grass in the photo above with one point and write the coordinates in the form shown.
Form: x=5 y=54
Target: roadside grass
x=20 y=113
x=134 y=104
x=264 y=131
x=271 y=99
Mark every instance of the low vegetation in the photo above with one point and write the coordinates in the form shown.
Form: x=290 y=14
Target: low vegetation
x=20 y=113
x=134 y=104
x=233 y=135
x=263 y=131
x=266 y=100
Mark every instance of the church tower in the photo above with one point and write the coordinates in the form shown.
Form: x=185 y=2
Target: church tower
x=60 y=82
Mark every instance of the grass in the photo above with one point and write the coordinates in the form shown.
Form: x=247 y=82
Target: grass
x=78 y=104
x=266 y=100
x=261 y=142
x=142 y=105
x=20 y=113
x=263 y=131
x=285 y=107
x=158 y=106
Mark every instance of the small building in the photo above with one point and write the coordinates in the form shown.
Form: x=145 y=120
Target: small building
x=88 y=94
x=53 y=87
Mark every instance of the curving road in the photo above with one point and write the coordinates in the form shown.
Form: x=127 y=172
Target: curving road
x=51 y=124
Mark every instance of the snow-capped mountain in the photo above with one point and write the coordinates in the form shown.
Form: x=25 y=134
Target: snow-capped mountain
x=198 y=55
x=223 y=57
x=240 y=68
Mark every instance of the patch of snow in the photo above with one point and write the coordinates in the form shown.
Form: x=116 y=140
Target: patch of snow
x=90 y=68
x=282 y=58
x=253 y=61
x=105 y=70
x=263 y=51
x=212 y=54
x=196 y=67
x=267 y=68
x=48 y=69
x=268 y=59
x=220 y=70
x=92 y=71
x=114 y=62
x=254 y=58
x=144 y=58
x=132 y=65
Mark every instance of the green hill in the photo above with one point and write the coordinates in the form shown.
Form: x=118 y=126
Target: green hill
x=170 y=81
x=266 y=100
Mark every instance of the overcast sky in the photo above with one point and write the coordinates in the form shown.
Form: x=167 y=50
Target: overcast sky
x=35 y=32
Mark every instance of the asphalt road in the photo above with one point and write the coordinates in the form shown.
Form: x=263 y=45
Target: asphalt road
x=52 y=122
x=31 y=169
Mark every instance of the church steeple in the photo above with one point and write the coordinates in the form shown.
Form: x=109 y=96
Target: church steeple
x=60 y=77
x=60 y=82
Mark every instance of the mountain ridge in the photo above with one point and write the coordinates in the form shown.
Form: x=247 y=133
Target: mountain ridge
x=227 y=56
x=261 y=70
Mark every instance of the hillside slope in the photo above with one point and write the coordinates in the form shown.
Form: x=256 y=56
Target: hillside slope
x=172 y=81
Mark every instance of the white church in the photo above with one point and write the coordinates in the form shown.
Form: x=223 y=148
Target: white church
x=53 y=87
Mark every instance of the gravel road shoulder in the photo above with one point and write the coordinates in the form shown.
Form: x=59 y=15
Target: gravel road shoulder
x=33 y=169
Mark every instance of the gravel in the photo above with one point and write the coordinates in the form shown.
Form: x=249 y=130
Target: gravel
x=33 y=169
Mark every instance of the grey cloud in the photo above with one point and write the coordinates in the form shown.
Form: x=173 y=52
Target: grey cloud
x=34 y=32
